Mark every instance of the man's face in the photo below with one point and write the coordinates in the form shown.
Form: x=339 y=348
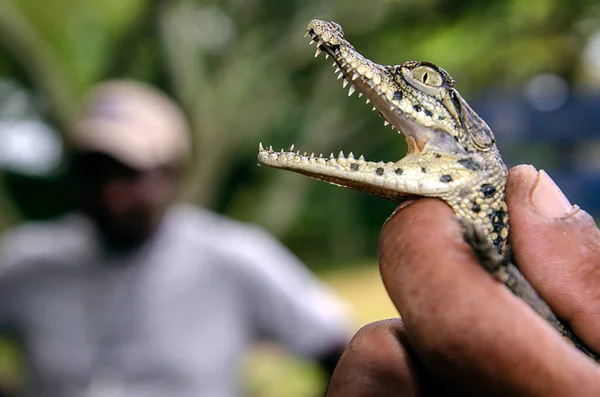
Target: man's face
x=126 y=204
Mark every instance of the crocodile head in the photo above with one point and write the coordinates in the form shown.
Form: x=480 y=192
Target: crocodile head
x=416 y=98
x=451 y=151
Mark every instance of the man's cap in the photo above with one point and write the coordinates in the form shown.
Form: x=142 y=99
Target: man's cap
x=133 y=123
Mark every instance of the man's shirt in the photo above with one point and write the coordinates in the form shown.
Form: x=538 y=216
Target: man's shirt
x=172 y=318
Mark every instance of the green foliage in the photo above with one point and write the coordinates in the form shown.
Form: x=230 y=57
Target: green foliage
x=244 y=73
x=81 y=35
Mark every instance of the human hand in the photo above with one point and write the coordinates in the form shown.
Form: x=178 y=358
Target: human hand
x=464 y=333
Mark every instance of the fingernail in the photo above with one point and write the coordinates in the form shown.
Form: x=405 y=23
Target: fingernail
x=402 y=205
x=548 y=199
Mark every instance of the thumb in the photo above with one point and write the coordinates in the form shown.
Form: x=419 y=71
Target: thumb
x=557 y=247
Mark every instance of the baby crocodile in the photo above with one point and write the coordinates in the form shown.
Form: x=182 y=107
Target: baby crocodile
x=452 y=155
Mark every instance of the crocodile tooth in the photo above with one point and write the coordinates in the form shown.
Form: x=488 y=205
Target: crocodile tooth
x=374 y=108
x=304 y=154
x=317 y=52
x=306 y=34
x=320 y=43
x=350 y=156
x=326 y=56
x=345 y=83
x=351 y=90
x=368 y=101
x=337 y=70
x=386 y=123
x=340 y=75
x=333 y=64
x=270 y=148
x=291 y=149
x=298 y=153
x=312 y=41
x=341 y=155
x=360 y=94
x=321 y=155
x=361 y=158
x=260 y=147
x=282 y=150
x=355 y=76
x=312 y=155
x=331 y=156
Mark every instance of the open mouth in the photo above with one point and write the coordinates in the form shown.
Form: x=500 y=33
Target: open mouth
x=376 y=83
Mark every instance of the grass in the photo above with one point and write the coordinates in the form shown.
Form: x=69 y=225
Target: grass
x=362 y=287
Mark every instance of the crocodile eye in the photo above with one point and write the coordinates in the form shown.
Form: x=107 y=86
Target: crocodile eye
x=427 y=75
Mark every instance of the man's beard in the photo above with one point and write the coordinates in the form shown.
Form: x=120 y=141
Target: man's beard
x=125 y=234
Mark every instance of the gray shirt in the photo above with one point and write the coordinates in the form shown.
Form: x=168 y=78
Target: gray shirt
x=173 y=318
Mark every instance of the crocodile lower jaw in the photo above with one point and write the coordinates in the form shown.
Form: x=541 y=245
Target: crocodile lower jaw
x=384 y=179
x=356 y=174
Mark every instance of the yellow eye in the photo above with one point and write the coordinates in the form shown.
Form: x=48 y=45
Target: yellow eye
x=427 y=75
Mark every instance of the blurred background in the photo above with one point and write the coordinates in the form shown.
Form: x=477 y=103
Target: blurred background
x=243 y=72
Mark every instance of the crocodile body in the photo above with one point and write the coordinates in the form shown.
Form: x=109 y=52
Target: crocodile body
x=452 y=155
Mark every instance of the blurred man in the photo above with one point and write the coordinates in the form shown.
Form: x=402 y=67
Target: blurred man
x=137 y=296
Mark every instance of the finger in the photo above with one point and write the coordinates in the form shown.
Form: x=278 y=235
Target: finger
x=557 y=247
x=464 y=326
x=378 y=363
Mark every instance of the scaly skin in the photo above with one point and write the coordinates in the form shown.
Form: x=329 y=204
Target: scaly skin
x=452 y=155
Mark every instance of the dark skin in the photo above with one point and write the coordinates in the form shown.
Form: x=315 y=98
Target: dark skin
x=126 y=204
x=462 y=333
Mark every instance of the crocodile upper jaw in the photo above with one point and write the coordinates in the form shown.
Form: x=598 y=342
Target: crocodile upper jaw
x=365 y=77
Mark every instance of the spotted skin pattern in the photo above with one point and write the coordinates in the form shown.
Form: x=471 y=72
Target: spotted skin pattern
x=452 y=155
